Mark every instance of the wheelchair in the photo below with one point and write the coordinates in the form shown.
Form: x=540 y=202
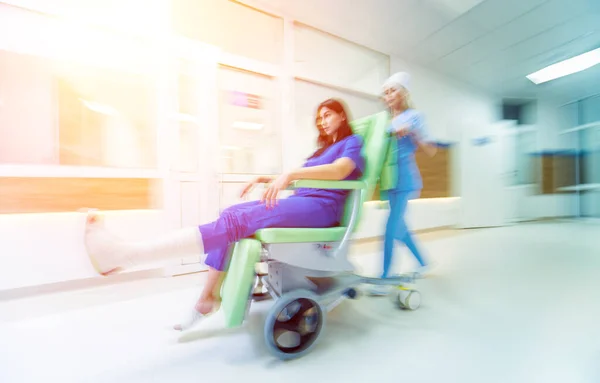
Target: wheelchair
x=308 y=270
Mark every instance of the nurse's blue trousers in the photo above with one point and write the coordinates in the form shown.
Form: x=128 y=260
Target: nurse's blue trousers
x=396 y=229
x=243 y=220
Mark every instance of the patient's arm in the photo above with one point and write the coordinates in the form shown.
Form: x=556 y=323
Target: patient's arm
x=338 y=170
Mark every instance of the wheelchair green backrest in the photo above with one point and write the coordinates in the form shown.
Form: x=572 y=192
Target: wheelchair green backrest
x=375 y=147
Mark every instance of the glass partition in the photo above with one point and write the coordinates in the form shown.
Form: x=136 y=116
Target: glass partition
x=590 y=157
x=250 y=136
x=56 y=112
x=584 y=134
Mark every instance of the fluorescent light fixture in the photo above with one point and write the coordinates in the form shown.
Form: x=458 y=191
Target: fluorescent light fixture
x=99 y=108
x=247 y=125
x=566 y=67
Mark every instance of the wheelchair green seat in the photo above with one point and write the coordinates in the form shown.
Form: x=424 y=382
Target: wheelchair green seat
x=330 y=234
x=238 y=284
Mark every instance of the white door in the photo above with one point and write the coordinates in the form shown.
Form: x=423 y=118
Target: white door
x=193 y=180
x=519 y=143
x=485 y=201
x=508 y=135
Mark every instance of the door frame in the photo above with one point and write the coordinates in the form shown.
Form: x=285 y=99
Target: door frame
x=202 y=175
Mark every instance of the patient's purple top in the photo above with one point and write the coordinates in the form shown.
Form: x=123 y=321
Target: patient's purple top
x=349 y=147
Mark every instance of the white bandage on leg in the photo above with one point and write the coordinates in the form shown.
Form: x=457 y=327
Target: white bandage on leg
x=109 y=253
x=177 y=244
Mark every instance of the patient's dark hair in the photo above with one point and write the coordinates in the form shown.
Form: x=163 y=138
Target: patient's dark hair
x=324 y=141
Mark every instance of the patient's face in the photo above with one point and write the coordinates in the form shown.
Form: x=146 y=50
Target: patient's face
x=329 y=121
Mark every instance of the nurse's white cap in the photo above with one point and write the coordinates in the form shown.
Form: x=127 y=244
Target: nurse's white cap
x=399 y=79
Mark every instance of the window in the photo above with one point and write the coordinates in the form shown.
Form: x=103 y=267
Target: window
x=590 y=110
x=54 y=113
x=27 y=137
x=590 y=171
x=324 y=58
x=106 y=118
x=568 y=116
x=188 y=87
x=235 y=28
x=249 y=130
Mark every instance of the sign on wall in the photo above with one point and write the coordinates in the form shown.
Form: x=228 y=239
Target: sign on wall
x=481 y=141
x=245 y=100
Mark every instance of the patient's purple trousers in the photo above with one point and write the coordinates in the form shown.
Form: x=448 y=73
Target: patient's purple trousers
x=243 y=220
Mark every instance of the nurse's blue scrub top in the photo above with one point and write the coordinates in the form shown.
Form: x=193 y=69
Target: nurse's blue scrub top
x=409 y=177
x=349 y=147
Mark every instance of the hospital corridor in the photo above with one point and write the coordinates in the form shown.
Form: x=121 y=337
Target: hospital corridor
x=299 y=191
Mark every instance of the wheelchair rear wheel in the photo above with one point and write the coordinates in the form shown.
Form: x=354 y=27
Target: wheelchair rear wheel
x=294 y=324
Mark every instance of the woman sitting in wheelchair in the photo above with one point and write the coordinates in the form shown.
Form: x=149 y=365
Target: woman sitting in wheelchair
x=338 y=157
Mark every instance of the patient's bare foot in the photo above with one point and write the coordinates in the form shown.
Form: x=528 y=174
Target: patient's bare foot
x=108 y=253
x=204 y=307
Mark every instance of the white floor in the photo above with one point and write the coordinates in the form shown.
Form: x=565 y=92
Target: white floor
x=516 y=304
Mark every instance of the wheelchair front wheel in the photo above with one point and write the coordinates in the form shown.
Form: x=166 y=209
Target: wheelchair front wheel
x=294 y=324
x=408 y=299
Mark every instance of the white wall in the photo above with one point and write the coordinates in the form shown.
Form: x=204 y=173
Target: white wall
x=421 y=214
x=42 y=249
x=449 y=107
x=448 y=104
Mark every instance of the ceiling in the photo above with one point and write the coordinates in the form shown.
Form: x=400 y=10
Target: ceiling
x=491 y=44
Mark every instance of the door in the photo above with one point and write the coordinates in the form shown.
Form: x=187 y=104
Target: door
x=519 y=144
x=485 y=200
x=508 y=141
x=193 y=137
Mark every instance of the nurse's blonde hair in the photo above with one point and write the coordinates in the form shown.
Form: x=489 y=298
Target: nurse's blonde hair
x=408 y=101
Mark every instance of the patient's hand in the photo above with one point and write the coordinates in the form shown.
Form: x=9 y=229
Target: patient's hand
x=250 y=185
x=270 y=196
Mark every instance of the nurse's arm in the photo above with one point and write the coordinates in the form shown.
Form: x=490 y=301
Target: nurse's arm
x=336 y=171
x=428 y=148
